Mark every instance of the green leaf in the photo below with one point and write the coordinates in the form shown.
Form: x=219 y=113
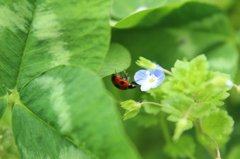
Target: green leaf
x=123 y=8
x=130 y=104
x=175 y=1
x=50 y=54
x=130 y=113
x=178 y=102
x=179 y=31
x=184 y=148
x=189 y=70
x=37 y=139
x=116 y=60
x=219 y=125
x=132 y=108
x=64 y=101
x=181 y=126
x=192 y=85
x=3 y=105
x=218 y=56
x=225 y=4
x=56 y=34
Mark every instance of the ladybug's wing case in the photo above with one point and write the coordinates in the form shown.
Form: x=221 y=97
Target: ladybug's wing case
x=119 y=82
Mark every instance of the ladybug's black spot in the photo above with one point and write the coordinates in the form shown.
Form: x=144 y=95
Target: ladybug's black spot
x=122 y=82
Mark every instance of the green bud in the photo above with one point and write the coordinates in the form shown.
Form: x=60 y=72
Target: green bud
x=130 y=104
x=180 y=128
x=132 y=108
x=221 y=81
x=130 y=114
x=145 y=63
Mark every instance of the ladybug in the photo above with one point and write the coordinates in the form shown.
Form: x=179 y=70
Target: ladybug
x=123 y=83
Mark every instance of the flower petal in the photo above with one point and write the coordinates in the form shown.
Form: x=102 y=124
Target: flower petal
x=159 y=81
x=149 y=78
x=145 y=87
x=140 y=77
x=158 y=73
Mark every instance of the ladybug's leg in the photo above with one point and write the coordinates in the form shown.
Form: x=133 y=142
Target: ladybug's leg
x=126 y=76
x=117 y=73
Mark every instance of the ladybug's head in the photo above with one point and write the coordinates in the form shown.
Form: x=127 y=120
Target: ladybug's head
x=133 y=85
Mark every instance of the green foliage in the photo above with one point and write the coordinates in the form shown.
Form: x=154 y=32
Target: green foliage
x=53 y=55
x=195 y=89
x=114 y=61
x=181 y=126
x=123 y=8
x=177 y=149
x=67 y=112
x=182 y=30
x=179 y=31
x=3 y=104
x=145 y=63
x=34 y=142
x=222 y=124
x=193 y=93
x=132 y=108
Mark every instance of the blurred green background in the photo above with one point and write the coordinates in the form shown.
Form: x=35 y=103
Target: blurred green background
x=177 y=29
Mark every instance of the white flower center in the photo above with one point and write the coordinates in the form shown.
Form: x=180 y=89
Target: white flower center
x=151 y=78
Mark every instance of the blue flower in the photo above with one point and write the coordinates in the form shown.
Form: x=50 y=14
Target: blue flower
x=149 y=78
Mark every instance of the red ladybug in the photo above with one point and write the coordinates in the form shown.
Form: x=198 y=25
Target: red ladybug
x=123 y=83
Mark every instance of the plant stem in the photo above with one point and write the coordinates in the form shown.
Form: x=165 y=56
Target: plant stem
x=188 y=112
x=215 y=143
x=176 y=111
x=162 y=106
x=166 y=71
